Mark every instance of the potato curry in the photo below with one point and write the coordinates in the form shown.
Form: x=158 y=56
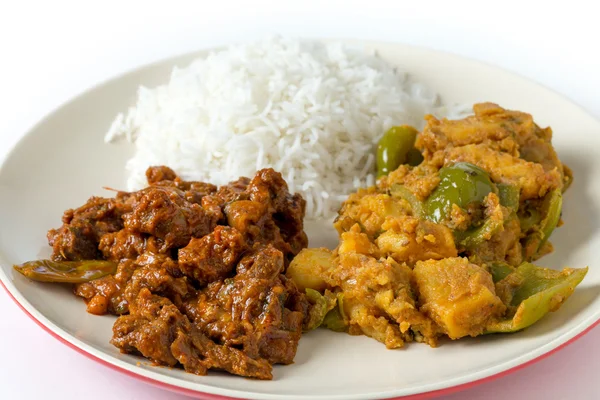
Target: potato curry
x=443 y=244
x=220 y=278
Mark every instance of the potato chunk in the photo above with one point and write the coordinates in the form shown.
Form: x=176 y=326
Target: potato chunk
x=408 y=239
x=369 y=209
x=354 y=241
x=308 y=267
x=457 y=295
x=379 y=300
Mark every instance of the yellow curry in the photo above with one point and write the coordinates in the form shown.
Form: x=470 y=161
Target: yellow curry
x=443 y=244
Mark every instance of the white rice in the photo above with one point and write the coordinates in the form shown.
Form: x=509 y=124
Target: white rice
x=312 y=111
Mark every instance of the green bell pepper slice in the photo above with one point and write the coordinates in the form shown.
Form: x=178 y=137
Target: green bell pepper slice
x=500 y=270
x=551 y=210
x=336 y=319
x=402 y=192
x=553 y=207
x=537 y=292
x=529 y=219
x=509 y=196
x=474 y=237
x=321 y=305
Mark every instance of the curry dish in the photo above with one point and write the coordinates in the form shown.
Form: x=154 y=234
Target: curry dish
x=220 y=278
x=444 y=247
x=194 y=272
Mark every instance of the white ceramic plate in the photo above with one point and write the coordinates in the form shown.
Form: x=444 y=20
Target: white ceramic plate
x=62 y=161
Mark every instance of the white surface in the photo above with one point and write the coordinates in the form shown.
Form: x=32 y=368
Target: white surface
x=56 y=53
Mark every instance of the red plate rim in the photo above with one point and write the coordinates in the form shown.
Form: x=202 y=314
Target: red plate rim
x=210 y=396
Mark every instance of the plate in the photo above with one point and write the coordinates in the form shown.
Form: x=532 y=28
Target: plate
x=63 y=160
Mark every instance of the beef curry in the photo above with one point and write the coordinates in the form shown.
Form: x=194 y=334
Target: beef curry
x=193 y=272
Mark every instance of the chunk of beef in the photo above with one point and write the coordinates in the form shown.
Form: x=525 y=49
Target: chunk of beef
x=233 y=191
x=287 y=210
x=157 y=330
x=197 y=354
x=160 y=173
x=155 y=272
x=163 y=212
x=267 y=212
x=78 y=237
x=196 y=191
x=263 y=262
x=126 y=244
x=246 y=216
x=160 y=275
x=192 y=191
x=150 y=328
x=212 y=257
x=257 y=310
x=73 y=243
x=213 y=209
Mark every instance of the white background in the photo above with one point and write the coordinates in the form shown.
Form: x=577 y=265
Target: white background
x=52 y=50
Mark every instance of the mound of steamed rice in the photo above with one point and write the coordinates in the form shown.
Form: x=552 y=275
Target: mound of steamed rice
x=312 y=111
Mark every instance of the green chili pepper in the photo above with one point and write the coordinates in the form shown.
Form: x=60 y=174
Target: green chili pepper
x=461 y=184
x=476 y=236
x=401 y=192
x=336 y=319
x=394 y=147
x=500 y=270
x=540 y=291
x=531 y=218
x=509 y=196
x=551 y=210
x=66 y=271
x=321 y=305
